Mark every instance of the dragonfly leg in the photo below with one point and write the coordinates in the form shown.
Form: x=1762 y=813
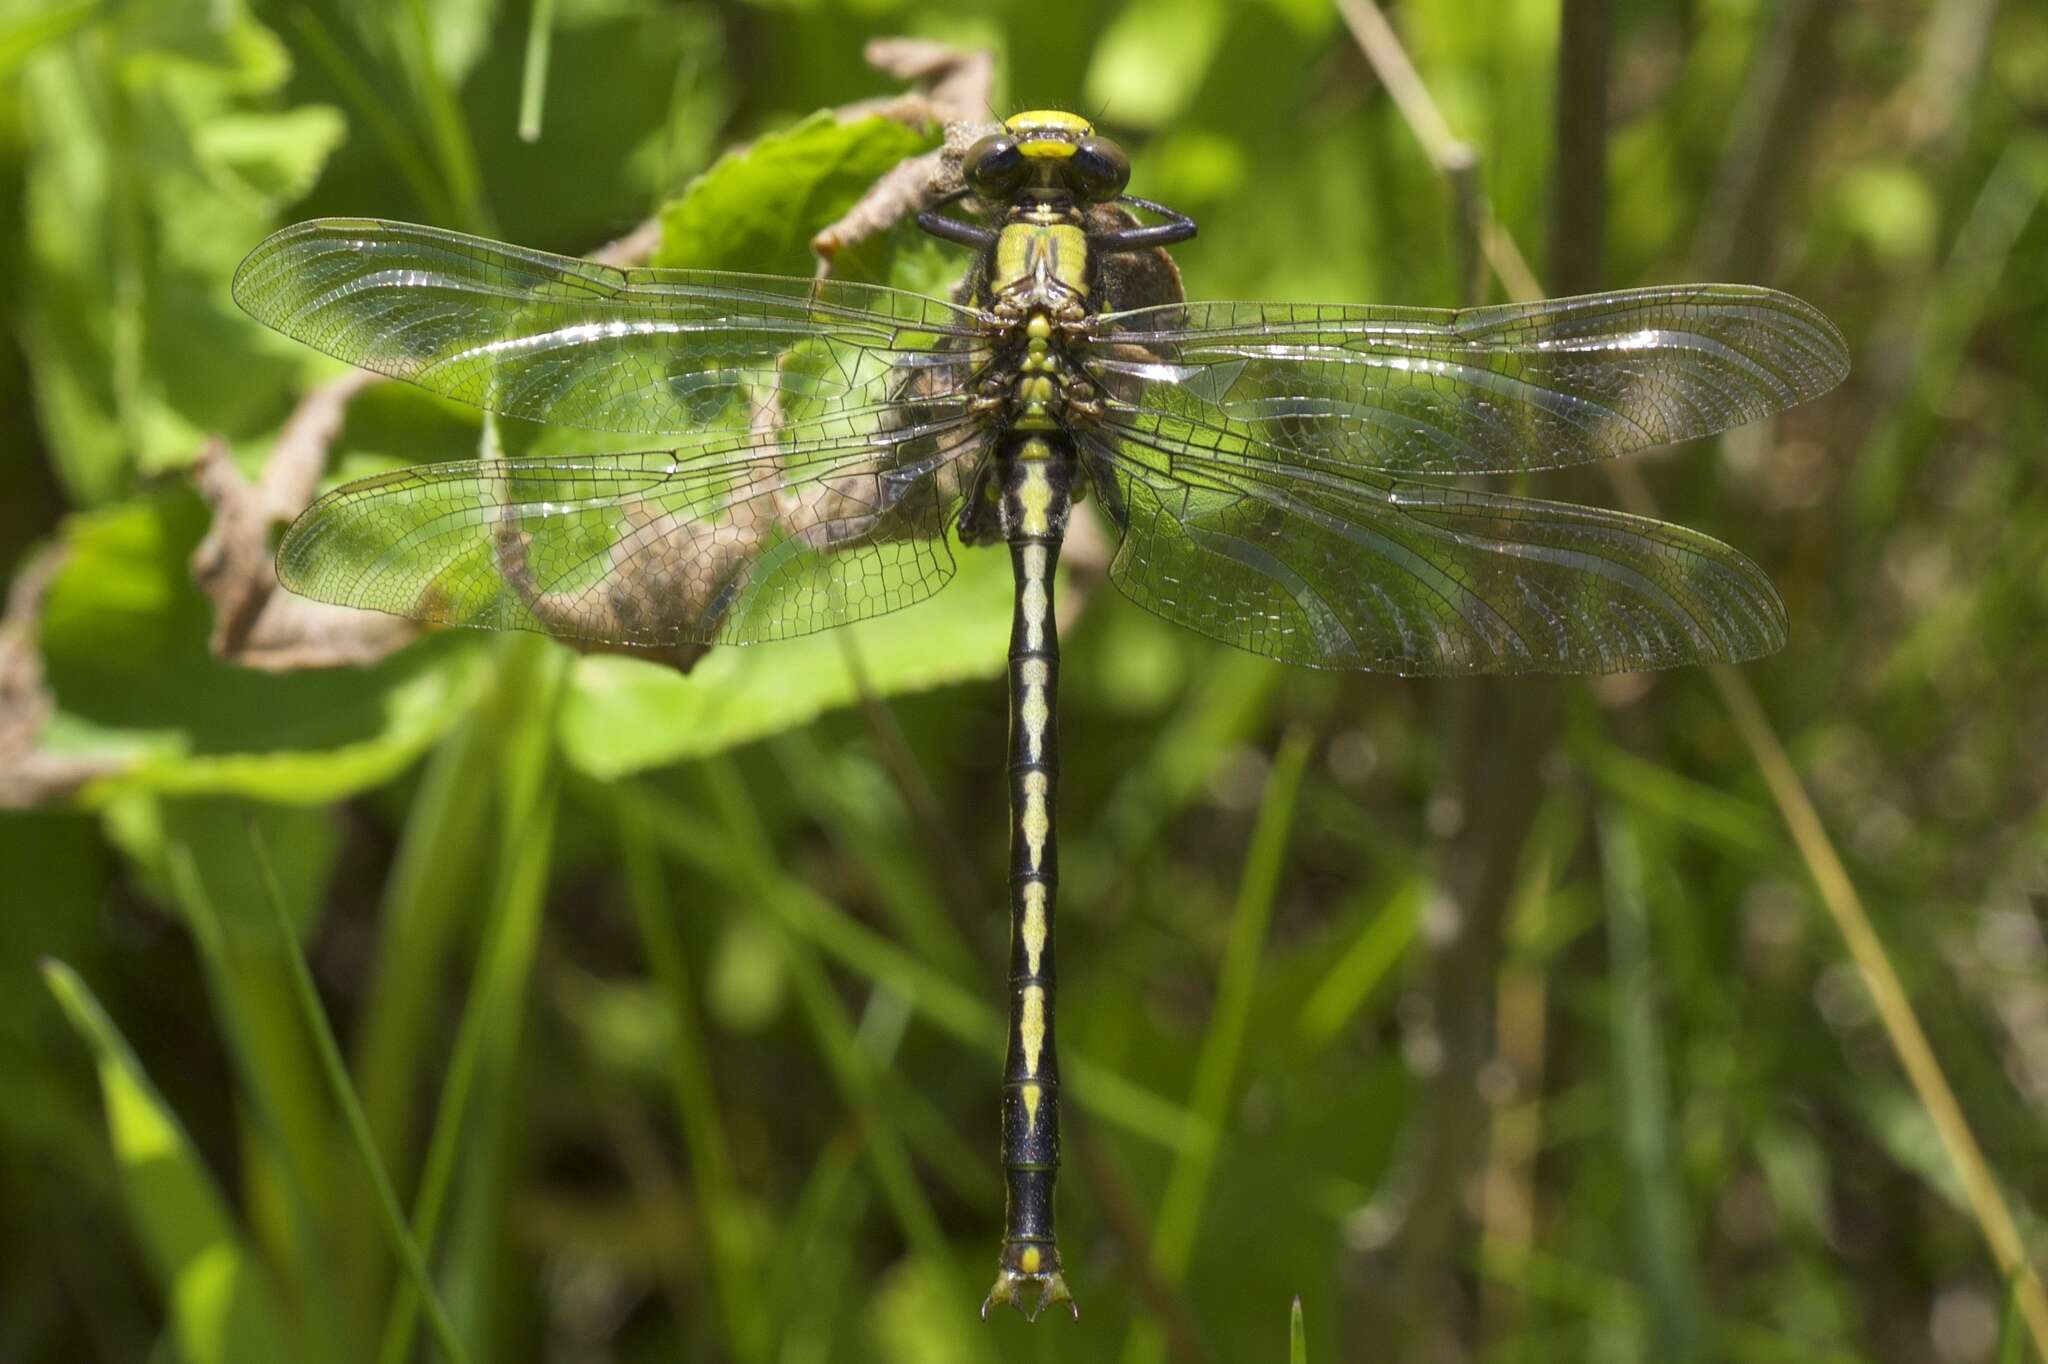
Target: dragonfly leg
x=943 y=225
x=1178 y=227
x=1035 y=500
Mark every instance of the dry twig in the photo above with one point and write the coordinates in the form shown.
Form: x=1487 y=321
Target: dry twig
x=30 y=776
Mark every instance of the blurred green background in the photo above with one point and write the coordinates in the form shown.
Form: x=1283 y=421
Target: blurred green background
x=1497 y=1021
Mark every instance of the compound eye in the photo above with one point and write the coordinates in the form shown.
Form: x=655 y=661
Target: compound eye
x=1099 y=170
x=993 y=167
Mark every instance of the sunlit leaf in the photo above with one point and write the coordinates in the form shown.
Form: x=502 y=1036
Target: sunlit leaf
x=757 y=208
x=622 y=715
x=222 y=1308
x=155 y=158
x=124 y=638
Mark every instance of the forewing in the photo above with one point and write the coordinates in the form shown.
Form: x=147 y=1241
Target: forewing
x=1375 y=572
x=1487 y=390
x=732 y=539
x=552 y=338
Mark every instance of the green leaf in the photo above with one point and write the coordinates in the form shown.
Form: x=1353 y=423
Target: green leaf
x=275 y=157
x=155 y=159
x=221 y=1306
x=22 y=37
x=125 y=643
x=623 y=715
x=756 y=208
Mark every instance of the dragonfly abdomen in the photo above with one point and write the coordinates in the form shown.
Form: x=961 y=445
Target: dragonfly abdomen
x=1035 y=500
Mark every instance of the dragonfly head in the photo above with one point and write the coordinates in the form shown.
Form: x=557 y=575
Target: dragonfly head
x=1043 y=155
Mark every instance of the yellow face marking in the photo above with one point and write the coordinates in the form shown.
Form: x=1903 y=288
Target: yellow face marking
x=1032 y=1094
x=1034 y=923
x=1033 y=598
x=1030 y=121
x=1036 y=821
x=1045 y=149
x=1031 y=1027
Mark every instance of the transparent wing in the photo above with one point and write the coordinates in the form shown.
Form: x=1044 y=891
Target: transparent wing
x=732 y=539
x=1370 y=571
x=552 y=338
x=1487 y=390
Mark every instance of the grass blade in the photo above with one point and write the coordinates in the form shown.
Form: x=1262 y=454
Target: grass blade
x=735 y=1272
x=447 y=129
x=488 y=1034
x=222 y=1307
x=343 y=1093
x=950 y=1007
x=1372 y=954
x=440 y=854
x=1187 y=1188
x=270 y=1056
x=1909 y=1042
x=1838 y=893
x=849 y=1063
x=1664 y=1267
x=533 y=76
x=2012 y=1330
x=361 y=93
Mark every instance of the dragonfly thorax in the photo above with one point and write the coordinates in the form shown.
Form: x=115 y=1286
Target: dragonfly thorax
x=1038 y=390
x=1040 y=263
x=1039 y=283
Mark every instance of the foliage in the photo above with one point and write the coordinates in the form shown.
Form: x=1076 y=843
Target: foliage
x=671 y=1000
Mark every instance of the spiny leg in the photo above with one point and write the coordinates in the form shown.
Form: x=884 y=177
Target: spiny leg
x=1034 y=513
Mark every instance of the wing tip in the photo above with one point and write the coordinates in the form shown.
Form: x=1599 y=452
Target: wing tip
x=297 y=554
x=1824 y=344
x=1830 y=347
x=243 y=286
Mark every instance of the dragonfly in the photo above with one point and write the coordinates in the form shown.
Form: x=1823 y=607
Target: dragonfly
x=1280 y=477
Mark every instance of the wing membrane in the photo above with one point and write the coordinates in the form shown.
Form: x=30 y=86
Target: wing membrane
x=552 y=338
x=1370 y=571
x=734 y=539
x=1486 y=390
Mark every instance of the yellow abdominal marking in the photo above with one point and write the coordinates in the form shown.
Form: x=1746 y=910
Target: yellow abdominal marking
x=1036 y=822
x=1032 y=1094
x=1036 y=494
x=1031 y=1027
x=1033 y=597
x=1034 y=711
x=1034 y=924
x=1028 y=1261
